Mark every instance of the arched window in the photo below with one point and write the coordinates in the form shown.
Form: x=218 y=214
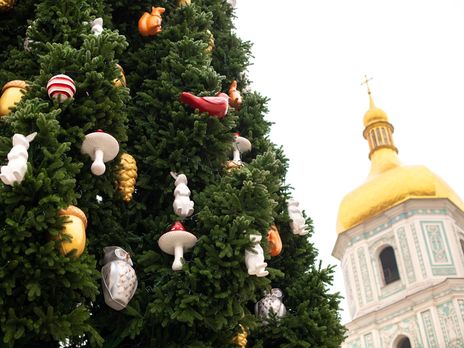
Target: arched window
x=404 y=343
x=389 y=266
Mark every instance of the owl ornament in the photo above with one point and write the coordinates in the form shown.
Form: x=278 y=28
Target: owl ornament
x=271 y=304
x=119 y=280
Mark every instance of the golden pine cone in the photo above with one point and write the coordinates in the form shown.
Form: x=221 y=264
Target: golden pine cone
x=241 y=339
x=6 y=5
x=127 y=176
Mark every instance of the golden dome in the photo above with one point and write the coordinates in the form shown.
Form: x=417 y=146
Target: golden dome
x=374 y=114
x=389 y=182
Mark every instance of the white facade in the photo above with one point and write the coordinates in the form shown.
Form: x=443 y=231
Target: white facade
x=426 y=303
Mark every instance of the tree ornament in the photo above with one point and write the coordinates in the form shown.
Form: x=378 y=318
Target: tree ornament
x=12 y=92
x=232 y=3
x=184 y=3
x=119 y=280
x=214 y=106
x=271 y=303
x=235 y=97
x=241 y=339
x=97 y=26
x=127 y=176
x=254 y=258
x=150 y=23
x=240 y=145
x=211 y=42
x=275 y=243
x=6 y=5
x=16 y=168
x=297 y=223
x=121 y=80
x=73 y=228
x=182 y=205
x=61 y=87
x=101 y=147
x=175 y=242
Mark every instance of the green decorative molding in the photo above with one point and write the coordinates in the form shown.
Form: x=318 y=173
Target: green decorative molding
x=356 y=280
x=418 y=252
x=438 y=249
x=365 y=275
x=406 y=255
x=355 y=344
x=394 y=220
x=369 y=341
x=450 y=325
x=429 y=329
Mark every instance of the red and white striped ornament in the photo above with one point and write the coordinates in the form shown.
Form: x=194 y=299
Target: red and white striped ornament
x=61 y=87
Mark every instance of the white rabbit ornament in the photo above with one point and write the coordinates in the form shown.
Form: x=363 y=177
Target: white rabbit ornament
x=16 y=168
x=254 y=258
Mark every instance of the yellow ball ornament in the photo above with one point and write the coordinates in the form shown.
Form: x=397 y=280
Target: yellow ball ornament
x=12 y=92
x=74 y=228
x=6 y=5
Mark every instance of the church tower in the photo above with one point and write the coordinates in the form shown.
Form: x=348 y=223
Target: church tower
x=401 y=247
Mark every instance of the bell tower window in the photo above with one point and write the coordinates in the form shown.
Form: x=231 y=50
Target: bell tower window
x=389 y=265
x=404 y=343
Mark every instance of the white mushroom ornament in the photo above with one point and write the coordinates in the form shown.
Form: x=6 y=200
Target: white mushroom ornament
x=101 y=147
x=240 y=145
x=175 y=242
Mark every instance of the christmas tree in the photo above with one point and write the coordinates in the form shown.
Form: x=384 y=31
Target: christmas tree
x=210 y=186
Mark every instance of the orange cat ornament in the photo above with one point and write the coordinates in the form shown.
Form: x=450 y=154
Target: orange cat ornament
x=150 y=23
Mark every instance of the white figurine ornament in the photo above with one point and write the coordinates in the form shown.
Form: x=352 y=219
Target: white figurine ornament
x=298 y=223
x=16 y=168
x=254 y=258
x=119 y=280
x=271 y=303
x=97 y=26
x=182 y=205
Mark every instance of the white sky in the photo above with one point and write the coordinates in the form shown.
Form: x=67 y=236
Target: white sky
x=310 y=58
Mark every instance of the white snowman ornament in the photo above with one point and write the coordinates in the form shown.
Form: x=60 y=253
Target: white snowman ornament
x=298 y=223
x=254 y=258
x=182 y=205
x=16 y=168
x=271 y=303
x=119 y=280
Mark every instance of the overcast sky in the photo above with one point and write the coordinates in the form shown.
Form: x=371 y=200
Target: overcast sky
x=310 y=59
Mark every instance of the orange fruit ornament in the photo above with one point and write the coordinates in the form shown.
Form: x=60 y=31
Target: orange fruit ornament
x=275 y=243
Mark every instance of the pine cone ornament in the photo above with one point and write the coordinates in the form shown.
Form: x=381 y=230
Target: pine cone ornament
x=127 y=176
x=240 y=340
x=6 y=5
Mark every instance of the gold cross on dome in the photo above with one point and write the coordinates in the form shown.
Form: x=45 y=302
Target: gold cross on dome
x=366 y=82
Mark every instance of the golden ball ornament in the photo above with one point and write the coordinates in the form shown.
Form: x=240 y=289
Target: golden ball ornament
x=6 y=5
x=127 y=176
x=74 y=228
x=12 y=92
x=121 y=80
